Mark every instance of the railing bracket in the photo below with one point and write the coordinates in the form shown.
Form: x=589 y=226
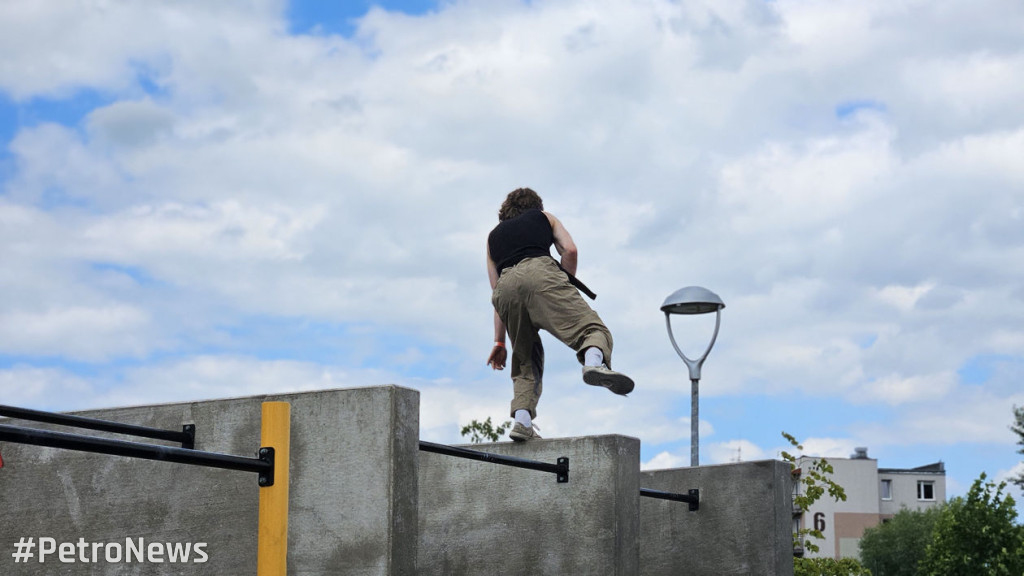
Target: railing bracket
x=563 y=470
x=189 y=441
x=692 y=497
x=266 y=479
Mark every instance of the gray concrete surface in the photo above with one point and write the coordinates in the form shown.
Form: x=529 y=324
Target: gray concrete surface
x=478 y=518
x=366 y=502
x=353 y=489
x=744 y=525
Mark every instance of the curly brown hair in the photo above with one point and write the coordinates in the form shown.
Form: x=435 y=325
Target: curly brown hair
x=518 y=201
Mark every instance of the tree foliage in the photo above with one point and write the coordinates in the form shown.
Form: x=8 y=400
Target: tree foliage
x=816 y=481
x=976 y=535
x=1018 y=428
x=480 y=431
x=897 y=547
x=828 y=567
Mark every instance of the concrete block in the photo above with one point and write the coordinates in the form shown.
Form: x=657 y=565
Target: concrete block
x=479 y=518
x=352 y=497
x=744 y=525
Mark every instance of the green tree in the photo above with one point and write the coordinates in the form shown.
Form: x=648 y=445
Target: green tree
x=480 y=431
x=897 y=547
x=829 y=567
x=1018 y=428
x=976 y=535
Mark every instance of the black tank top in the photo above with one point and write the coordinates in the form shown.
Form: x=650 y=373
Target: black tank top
x=516 y=239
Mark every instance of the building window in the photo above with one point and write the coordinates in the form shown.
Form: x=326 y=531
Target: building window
x=925 y=490
x=886 y=489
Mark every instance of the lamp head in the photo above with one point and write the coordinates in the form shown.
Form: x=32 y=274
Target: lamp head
x=692 y=300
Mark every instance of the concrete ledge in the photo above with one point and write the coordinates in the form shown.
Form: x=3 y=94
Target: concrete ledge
x=744 y=525
x=352 y=498
x=479 y=518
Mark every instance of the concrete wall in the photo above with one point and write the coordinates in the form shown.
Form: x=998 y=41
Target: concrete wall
x=365 y=501
x=352 y=499
x=478 y=518
x=744 y=525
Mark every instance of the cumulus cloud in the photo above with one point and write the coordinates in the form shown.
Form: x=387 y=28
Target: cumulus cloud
x=665 y=460
x=737 y=451
x=42 y=388
x=894 y=389
x=970 y=415
x=845 y=175
x=79 y=333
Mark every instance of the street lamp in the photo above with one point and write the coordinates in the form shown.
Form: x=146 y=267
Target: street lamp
x=693 y=300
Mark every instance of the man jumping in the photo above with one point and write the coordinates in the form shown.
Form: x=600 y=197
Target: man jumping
x=533 y=292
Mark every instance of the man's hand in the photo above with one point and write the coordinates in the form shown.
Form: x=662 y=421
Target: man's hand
x=497 y=358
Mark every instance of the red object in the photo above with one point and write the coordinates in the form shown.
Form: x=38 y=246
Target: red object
x=1 y=460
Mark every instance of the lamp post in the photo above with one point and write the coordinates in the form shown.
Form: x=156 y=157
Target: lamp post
x=693 y=300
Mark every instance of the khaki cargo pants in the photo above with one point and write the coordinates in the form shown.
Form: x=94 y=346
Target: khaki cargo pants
x=536 y=295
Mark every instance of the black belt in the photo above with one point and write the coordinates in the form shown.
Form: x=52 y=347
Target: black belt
x=577 y=282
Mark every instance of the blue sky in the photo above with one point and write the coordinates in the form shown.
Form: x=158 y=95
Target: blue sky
x=313 y=17
x=199 y=201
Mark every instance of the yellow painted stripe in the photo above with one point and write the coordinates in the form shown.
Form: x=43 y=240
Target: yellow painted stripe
x=272 y=554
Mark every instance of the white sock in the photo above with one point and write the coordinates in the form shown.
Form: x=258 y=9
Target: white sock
x=593 y=357
x=523 y=417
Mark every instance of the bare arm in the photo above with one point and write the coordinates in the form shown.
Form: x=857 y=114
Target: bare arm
x=564 y=244
x=498 y=353
x=492 y=275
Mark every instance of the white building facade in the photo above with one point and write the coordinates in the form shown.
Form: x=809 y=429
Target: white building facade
x=873 y=495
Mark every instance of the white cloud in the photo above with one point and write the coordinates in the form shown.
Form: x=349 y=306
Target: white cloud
x=896 y=389
x=1008 y=475
x=42 y=388
x=225 y=231
x=79 y=333
x=903 y=297
x=664 y=460
x=811 y=187
x=130 y=123
x=55 y=48
x=235 y=175
x=736 y=451
x=970 y=415
x=1012 y=489
x=208 y=377
x=967 y=85
x=828 y=447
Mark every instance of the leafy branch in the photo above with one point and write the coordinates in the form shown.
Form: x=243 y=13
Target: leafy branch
x=486 y=430
x=816 y=481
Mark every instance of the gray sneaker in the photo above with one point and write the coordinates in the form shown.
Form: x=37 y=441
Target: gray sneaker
x=602 y=376
x=521 y=433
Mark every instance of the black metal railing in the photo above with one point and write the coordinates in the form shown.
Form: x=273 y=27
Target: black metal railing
x=263 y=465
x=560 y=469
x=692 y=498
x=187 y=436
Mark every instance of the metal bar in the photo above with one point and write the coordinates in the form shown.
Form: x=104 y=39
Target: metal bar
x=692 y=498
x=561 y=469
x=81 y=443
x=694 y=423
x=272 y=539
x=186 y=437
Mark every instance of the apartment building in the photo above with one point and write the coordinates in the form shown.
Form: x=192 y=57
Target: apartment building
x=873 y=495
